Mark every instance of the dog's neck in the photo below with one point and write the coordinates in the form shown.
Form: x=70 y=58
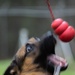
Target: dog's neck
x=33 y=70
x=29 y=68
x=35 y=73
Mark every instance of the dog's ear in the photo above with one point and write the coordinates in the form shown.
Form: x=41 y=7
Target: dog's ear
x=12 y=70
x=14 y=67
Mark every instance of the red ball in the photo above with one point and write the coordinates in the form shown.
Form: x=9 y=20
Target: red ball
x=61 y=28
x=56 y=23
x=68 y=34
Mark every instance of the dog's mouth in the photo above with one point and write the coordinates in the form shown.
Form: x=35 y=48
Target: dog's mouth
x=56 y=60
x=48 y=48
x=60 y=64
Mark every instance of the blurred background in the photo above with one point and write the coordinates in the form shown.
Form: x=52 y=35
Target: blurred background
x=22 y=19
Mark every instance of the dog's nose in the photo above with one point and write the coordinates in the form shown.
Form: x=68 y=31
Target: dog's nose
x=48 y=37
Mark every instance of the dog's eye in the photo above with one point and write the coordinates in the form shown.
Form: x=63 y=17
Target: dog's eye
x=29 y=47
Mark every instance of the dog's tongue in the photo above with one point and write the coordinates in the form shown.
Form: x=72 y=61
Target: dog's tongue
x=56 y=60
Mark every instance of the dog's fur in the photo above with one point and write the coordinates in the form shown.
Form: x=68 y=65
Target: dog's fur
x=34 y=62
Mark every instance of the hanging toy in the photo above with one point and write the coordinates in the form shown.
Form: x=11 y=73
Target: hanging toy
x=65 y=32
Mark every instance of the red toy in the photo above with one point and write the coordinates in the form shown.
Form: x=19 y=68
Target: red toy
x=59 y=26
x=65 y=32
x=68 y=34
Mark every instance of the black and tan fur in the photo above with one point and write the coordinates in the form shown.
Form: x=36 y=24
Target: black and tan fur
x=34 y=62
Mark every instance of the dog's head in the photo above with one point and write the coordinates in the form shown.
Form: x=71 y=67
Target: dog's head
x=36 y=57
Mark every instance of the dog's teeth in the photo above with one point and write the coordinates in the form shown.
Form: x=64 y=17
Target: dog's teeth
x=57 y=70
x=66 y=64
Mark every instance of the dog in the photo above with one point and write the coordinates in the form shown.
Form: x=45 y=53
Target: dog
x=37 y=57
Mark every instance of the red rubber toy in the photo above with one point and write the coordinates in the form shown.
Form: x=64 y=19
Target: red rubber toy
x=67 y=35
x=65 y=32
x=56 y=23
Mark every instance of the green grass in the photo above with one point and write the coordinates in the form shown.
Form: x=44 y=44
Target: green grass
x=3 y=65
x=70 y=71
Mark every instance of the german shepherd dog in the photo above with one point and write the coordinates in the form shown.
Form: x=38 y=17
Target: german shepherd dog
x=36 y=57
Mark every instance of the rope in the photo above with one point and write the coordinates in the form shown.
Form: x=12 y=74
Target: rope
x=49 y=7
